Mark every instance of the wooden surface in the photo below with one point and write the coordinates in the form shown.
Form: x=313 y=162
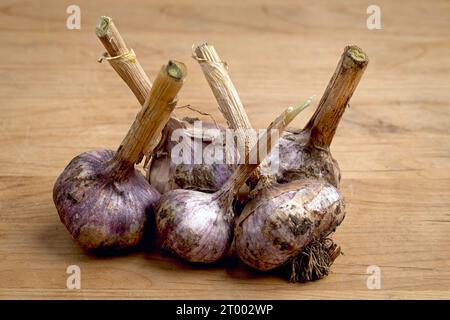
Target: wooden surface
x=393 y=144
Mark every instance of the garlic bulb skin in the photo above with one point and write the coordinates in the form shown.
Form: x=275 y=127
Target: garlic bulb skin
x=299 y=159
x=283 y=218
x=100 y=211
x=197 y=230
x=165 y=175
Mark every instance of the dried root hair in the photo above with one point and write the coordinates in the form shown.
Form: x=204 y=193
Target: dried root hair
x=314 y=262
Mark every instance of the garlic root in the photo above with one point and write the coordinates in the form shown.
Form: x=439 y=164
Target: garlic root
x=314 y=262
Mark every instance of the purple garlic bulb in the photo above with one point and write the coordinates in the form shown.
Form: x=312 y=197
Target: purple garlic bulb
x=100 y=197
x=99 y=210
x=164 y=174
x=282 y=219
x=194 y=225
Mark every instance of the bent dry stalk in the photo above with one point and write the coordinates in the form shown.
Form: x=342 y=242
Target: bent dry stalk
x=306 y=153
x=100 y=197
x=162 y=173
x=198 y=226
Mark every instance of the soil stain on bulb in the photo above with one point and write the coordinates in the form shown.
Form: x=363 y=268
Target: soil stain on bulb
x=282 y=219
x=99 y=211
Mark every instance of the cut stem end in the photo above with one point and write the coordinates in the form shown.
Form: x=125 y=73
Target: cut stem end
x=102 y=26
x=357 y=54
x=176 y=70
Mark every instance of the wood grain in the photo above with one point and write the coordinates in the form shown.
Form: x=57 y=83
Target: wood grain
x=393 y=143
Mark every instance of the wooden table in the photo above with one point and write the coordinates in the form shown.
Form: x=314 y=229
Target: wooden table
x=393 y=144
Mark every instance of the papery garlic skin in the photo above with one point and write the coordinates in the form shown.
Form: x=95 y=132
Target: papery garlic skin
x=299 y=159
x=283 y=219
x=99 y=211
x=165 y=175
x=193 y=225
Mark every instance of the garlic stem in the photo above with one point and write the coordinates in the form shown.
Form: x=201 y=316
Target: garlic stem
x=110 y=37
x=230 y=105
x=126 y=64
x=123 y=59
x=335 y=99
x=153 y=116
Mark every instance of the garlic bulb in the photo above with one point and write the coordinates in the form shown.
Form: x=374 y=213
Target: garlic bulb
x=164 y=174
x=100 y=197
x=99 y=209
x=282 y=219
x=195 y=225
